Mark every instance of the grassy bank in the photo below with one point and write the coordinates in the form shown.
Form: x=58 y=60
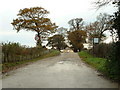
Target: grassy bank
x=13 y=65
x=101 y=65
x=98 y=63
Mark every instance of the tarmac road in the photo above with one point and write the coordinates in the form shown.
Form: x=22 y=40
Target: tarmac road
x=63 y=71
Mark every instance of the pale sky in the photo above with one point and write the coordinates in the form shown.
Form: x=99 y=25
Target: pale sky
x=61 y=11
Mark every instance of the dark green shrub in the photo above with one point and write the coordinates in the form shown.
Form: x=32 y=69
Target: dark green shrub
x=113 y=61
x=112 y=53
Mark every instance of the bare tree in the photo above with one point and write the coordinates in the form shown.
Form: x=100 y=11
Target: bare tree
x=115 y=20
x=97 y=28
x=104 y=23
x=62 y=31
x=101 y=3
x=76 y=24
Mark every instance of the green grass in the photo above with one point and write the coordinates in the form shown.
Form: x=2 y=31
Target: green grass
x=9 y=66
x=98 y=63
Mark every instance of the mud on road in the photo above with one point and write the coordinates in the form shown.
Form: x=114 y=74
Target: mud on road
x=63 y=71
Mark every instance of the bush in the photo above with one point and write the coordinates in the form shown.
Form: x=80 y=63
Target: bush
x=113 y=61
x=112 y=53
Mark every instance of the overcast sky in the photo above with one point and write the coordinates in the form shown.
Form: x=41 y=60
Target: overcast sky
x=61 y=11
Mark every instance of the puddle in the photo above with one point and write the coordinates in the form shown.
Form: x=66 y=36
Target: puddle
x=61 y=62
x=64 y=65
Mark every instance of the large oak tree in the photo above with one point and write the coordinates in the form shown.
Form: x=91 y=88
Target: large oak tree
x=34 y=19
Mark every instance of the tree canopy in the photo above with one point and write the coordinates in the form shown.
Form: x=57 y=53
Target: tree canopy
x=34 y=19
x=57 y=41
x=77 y=38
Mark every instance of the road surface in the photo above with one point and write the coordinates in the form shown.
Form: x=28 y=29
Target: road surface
x=63 y=71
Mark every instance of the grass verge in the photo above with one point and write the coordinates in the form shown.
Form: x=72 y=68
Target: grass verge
x=6 y=67
x=97 y=63
x=100 y=64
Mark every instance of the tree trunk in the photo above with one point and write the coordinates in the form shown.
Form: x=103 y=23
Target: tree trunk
x=39 y=41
